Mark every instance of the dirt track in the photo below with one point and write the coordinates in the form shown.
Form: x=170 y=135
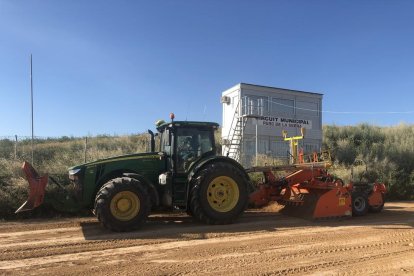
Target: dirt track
x=260 y=243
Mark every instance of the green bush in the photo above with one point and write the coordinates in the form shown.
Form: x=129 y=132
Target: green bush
x=388 y=153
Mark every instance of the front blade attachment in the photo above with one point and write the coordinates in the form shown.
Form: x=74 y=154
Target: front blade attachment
x=37 y=187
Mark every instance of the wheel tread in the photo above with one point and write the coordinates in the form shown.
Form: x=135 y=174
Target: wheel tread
x=196 y=207
x=104 y=196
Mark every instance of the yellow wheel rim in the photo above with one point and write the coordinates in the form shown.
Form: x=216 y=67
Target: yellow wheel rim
x=223 y=194
x=125 y=205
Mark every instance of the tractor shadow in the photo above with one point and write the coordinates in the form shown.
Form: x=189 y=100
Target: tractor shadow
x=173 y=226
x=179 y=226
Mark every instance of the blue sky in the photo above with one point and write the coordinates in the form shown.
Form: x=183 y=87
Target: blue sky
x=115 y=67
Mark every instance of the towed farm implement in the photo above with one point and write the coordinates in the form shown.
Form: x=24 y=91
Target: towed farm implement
x=309 y=191
x=185 y=173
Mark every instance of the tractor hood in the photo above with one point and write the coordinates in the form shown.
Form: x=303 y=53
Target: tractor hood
x=115 y=159
x=88 y=176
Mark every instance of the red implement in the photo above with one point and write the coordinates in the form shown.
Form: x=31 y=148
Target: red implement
x=376 y=199
x=310 y=192
x=37 y=187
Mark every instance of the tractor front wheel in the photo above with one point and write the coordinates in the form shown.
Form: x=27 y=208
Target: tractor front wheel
x=219 y=194
x=122 y=204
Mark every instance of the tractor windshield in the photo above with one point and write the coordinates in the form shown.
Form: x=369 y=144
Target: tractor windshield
x=191 y=144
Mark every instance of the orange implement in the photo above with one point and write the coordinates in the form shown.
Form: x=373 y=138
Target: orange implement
x=376 y=199
x=310 y=192
x=37 y=187
x=333 y=203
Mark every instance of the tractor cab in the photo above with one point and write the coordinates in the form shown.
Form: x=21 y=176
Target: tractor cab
x=183 y=143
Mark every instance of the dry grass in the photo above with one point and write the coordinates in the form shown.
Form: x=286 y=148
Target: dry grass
x=54 y=157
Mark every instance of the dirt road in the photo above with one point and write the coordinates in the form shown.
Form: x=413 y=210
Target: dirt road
x=260 y=243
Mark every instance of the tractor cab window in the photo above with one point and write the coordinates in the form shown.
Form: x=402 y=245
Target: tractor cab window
x=165 y=142
x=191 y=143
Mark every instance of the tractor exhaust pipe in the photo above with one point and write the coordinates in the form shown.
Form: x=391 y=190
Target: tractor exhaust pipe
x=152 y=141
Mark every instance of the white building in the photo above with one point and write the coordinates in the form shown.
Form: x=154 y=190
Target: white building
x=254 y=117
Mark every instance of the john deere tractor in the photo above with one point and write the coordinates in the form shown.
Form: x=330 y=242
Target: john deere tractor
x=183 y=173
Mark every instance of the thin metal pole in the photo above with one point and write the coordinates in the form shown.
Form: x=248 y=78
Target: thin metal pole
x=15 y=147
x=86 y=149
x=256 y=140
x=31 y=96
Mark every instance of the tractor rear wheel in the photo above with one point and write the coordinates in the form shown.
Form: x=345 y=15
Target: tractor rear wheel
x=219 y=194
x=359 y=204
x=122 y=204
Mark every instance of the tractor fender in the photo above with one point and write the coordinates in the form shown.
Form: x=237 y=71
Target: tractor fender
x=155 y=199
x=212 y=159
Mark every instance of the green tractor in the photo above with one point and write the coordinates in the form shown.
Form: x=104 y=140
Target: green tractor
x=183 y=173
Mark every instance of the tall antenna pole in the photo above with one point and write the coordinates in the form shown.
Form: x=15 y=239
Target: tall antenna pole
x=31 y=97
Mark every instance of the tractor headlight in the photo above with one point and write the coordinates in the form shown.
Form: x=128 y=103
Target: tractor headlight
x=74 y=174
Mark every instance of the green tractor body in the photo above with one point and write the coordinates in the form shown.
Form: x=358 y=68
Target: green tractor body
x=184 y=173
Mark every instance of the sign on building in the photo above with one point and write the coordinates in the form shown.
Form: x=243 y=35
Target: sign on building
x=282 y=122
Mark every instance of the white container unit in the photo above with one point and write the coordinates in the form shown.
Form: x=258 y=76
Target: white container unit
x=254 y=117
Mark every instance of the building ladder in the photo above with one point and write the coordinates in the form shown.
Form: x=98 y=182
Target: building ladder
x=234 y=144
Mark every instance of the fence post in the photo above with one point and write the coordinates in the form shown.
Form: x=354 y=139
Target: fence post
x=15 y=147
x=86 y=148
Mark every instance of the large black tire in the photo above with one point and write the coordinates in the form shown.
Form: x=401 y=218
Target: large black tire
x=359 y=204
x=377 y=208
x=122 y=204
x=219 y=194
